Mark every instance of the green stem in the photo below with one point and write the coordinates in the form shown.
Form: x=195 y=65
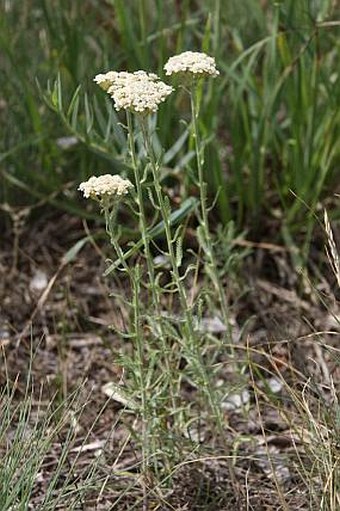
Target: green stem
x=138 y=331
x=110 y=214
x=142 y=216
x=139 y=336
x=149 y=260
x=194 y=347
x=204 y=219
x=166 y=219
x=208 y=246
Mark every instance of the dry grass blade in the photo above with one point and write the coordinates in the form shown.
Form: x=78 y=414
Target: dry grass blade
x=331 y=249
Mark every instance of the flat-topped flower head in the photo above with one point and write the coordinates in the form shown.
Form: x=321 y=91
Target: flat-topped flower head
x=105 y=187
x=192 y=63
x=138 y=92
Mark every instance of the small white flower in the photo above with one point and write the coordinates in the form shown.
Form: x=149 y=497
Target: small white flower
x=105 y=187
x=194 y=63
x=139 y=92
x=105 y=80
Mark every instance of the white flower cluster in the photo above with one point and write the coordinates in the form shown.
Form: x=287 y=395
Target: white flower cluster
x=105 y=186
x=139 y=92
x=195 y=63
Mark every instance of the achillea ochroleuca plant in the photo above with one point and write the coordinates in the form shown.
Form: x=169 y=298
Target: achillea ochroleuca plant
x=140 y=94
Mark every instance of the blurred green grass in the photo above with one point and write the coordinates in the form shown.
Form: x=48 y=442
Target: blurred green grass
x=271 y=122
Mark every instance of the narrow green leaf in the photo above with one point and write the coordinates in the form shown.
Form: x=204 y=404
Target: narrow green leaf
x=187 y=207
